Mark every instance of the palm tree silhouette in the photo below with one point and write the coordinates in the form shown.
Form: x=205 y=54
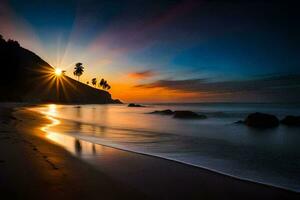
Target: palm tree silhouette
x=103 y=83
x=94 y=81
x=107 y=86
x=78 y=70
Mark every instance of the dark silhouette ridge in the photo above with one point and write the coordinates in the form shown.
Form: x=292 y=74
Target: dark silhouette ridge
x=26 y=78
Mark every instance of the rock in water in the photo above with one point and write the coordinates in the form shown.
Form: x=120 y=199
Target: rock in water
x=117 y=101
x=188 y=115
x=261 y=120
x=135 y=105
x=239 y=122
x=291 y=120
x=163 y=112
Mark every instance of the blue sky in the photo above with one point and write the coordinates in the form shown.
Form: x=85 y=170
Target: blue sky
x=176 y=40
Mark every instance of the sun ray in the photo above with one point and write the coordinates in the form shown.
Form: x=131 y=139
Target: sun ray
x=58 y=72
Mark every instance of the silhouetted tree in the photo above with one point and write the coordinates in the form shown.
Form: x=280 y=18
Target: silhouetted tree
x=106 y=85
x=103 y=84
x=13 y=43
x=2 y=41
x=94 y=82
x=78 y=70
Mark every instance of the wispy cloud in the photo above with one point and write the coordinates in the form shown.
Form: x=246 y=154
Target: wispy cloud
x=142 y=74
x=272 y=88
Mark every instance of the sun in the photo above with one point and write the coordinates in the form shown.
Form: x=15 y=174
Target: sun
x=58 y=72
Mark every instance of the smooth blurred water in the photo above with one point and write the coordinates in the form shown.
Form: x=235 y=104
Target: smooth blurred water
x=270 y=156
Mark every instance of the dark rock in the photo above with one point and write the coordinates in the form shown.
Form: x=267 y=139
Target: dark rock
x=117 y=101
x=239 y=122
x=135 y=105
x=163 y=112
x=188 y=115
x=291 y=120
x=261 y=120
x=12 y=118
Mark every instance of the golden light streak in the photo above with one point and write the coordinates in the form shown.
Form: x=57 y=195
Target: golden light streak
x=49 y=113
x=54 y=81
x=54 y=122
x=58 y=72
x=68 y=142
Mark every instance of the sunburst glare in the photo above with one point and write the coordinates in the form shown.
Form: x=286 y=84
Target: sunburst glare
x=58 y=72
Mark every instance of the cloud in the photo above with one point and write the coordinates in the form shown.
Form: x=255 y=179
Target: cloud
x=142 y=74
x=272 y=88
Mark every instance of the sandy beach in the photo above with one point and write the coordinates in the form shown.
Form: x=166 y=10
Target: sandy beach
x=33 y=167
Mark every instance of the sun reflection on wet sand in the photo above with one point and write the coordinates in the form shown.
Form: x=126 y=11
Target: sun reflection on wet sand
x=71 y=144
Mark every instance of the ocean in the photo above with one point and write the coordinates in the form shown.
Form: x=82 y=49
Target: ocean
x=269 y=156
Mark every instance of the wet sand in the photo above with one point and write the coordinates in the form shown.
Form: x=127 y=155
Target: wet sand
x=34 y=167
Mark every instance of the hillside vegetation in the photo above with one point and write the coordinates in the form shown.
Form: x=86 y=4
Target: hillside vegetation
x=28 y=78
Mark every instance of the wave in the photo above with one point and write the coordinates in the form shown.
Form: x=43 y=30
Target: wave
x=107 y=143
x=250 y=155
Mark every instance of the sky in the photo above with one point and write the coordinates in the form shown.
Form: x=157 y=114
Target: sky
x=167 y=51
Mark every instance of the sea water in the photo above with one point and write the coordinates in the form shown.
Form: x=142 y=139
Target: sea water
x=269 y=156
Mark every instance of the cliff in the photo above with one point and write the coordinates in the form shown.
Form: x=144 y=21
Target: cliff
x=28 y=78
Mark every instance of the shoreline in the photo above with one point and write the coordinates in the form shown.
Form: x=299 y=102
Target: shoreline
x=197 y=181
x=34 y=168
x=266 y=184
x=119 y=147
